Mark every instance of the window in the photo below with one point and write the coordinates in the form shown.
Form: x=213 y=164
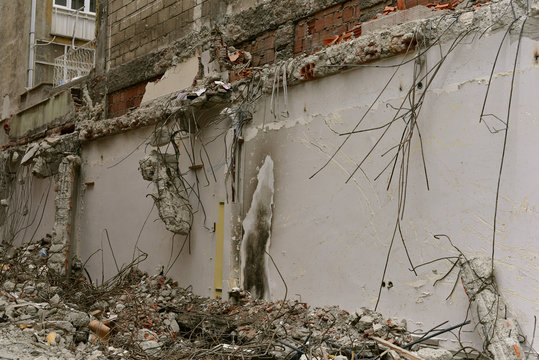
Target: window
x=87 y=6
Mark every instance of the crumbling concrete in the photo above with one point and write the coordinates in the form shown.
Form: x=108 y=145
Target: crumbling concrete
x=256 y=241
x=45 y=156
x=170 y=193
x=383 y=43
x=497 y=327
x=59 y=256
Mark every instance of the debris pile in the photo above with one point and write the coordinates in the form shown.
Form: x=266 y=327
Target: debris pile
x=135 y=316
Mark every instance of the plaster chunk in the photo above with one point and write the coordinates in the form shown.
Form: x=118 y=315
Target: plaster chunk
x=170 y=195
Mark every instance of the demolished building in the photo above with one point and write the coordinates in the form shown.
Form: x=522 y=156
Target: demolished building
x=361 y=153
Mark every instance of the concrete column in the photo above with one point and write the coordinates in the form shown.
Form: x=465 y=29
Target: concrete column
x=59 y=256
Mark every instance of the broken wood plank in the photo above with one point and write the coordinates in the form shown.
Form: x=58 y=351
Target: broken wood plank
x=398 y=349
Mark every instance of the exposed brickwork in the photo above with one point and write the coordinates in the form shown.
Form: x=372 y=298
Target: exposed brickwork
x=262 y=49
x=138 y=27
x=336 y=20
x=121 y=101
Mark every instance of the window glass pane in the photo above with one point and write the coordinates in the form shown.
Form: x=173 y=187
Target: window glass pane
x=77 y=4
x=92 y=5
x=60 y=2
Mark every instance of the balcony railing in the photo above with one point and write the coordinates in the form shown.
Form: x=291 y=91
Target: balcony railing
x=74 y=64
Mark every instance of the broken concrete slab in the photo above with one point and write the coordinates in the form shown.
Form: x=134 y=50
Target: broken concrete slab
x=178 y=77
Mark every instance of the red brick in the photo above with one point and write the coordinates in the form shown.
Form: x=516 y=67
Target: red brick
x=339 y=30
x=348 y=14
x=319 y=25
x=310 y=27
x=337 y=17
x=328 y=11
x=298 y=46
x=301 y=31
x=307 y=43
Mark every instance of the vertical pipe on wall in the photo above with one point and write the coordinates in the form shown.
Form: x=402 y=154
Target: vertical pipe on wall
x=30 y=82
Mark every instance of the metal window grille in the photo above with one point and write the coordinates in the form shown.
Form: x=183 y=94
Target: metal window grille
x=75 y=63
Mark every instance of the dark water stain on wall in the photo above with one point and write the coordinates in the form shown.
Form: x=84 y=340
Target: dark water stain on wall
x=257 y=236
x=254 y=272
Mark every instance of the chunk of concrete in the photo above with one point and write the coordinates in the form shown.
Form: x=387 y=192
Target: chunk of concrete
x=496 y=326
x=176 y=78
x=434 y=354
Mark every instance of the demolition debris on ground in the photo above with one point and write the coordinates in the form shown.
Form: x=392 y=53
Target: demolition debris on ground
x=138 y=316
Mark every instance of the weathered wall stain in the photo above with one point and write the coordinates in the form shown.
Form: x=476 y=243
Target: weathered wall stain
x=256 y=241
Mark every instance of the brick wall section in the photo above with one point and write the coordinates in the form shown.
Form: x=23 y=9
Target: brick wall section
x=121 y=101
x=311 y=32
x=262 y=49
x=138 y=27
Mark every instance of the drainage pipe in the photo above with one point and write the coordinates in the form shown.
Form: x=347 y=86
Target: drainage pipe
x=31 y=56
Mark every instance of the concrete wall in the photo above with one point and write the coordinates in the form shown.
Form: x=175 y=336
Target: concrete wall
x=330 y=239
x=13 y=52
x=119 y=201
x=31 y=213
x=39 y=115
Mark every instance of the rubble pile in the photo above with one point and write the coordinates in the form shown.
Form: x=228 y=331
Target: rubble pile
x=145 y=317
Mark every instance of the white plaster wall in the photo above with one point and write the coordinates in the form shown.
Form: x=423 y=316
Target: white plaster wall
x=119 y=202
x=330 y=239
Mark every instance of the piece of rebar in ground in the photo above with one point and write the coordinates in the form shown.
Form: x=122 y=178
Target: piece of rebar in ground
x=496 y=326
x=100 y=329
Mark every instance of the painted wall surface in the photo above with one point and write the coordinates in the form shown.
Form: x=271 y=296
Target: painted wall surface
x=119 y=201
x=330 y=239
x=42 y=114
x=31 y=212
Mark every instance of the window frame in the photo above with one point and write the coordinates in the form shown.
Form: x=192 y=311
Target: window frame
x=68 y=6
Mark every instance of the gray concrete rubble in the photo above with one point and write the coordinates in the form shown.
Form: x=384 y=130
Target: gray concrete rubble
x=138 y=316
x=498 y=328
x=170 y=193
